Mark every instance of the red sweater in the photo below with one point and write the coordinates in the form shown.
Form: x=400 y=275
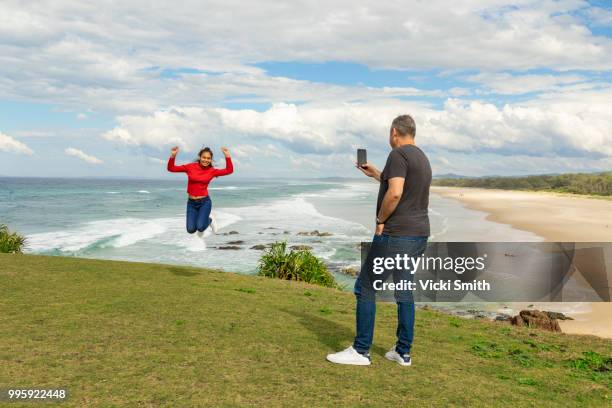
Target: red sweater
x=198 y=176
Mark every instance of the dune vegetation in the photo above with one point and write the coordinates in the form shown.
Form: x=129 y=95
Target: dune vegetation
x=597 y=184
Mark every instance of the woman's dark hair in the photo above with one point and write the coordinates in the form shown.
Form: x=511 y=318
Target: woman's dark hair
x=202 y=151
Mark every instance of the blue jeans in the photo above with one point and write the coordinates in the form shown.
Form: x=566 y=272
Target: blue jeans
x=386 y=246
x=198 y=214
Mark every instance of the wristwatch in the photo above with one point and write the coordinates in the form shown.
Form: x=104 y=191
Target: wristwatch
x=378 y=221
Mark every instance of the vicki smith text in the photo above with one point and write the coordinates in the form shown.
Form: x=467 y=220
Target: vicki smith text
x=440 y=285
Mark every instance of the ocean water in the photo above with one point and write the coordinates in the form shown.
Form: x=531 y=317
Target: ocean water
x=144 y=220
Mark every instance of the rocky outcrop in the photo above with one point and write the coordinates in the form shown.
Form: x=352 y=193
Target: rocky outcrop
x=536 y=319
x=350 y=270
x=261 y=247
x=314 y=233
x=301 y=247
x=558 y=316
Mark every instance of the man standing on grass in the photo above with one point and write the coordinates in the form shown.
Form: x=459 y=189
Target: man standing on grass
x=402 y=227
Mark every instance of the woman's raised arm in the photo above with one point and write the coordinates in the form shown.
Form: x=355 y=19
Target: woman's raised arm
x=229 y=167
x=171 y=166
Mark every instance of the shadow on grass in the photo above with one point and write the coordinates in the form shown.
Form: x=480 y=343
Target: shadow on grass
x=182 y=272
x=335 y=336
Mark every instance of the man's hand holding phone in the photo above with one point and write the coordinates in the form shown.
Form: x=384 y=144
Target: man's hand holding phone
x=369 y=170
x=366 y=168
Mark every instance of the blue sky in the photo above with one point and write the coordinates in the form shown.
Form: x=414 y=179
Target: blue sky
x=495 y=87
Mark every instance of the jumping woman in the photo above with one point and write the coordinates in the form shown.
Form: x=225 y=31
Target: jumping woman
x=199 y=174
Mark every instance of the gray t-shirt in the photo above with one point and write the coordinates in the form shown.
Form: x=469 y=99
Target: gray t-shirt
x=410 y=218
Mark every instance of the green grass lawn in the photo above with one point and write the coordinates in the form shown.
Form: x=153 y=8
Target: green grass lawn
x=135 y=334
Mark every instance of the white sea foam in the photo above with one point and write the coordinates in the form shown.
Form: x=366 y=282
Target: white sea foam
x=112 y=192
x=438 y=230
x=116 y=233
x=327 y=253
x=294 y=215
x=224 y=219
x=178 y=236
x=165 y=240
x=144 y=192
x=347 y=191
x=144 y=231
x=192 y=242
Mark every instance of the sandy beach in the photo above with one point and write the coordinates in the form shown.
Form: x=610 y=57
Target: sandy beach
x=554 y=217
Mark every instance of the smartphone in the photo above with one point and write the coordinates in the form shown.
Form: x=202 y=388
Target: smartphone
x=362 y=157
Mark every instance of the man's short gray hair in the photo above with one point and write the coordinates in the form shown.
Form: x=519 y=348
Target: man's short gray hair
x=404 y=125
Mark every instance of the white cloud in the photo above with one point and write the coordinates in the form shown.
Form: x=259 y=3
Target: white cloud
x=148 y=93
x=69 y=52
x=10 y=145
x=249 y=151
x=491 y=164
x=305 y=162
x=507 y=84
x=573 y=124
x=187 y=127
x=600 y=16
x=70 y=151
x=33 y=133
x=308 y=128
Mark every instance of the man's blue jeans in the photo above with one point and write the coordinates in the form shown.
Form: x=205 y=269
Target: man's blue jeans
x=386 y=246
x=198 y=214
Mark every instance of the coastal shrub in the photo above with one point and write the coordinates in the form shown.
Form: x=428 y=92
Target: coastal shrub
x=298 y=265
x=10 y=242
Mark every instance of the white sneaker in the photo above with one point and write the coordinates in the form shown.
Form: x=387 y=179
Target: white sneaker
x=349 y=356
x=200 y=234
x=393 y=355
x=213 y=225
